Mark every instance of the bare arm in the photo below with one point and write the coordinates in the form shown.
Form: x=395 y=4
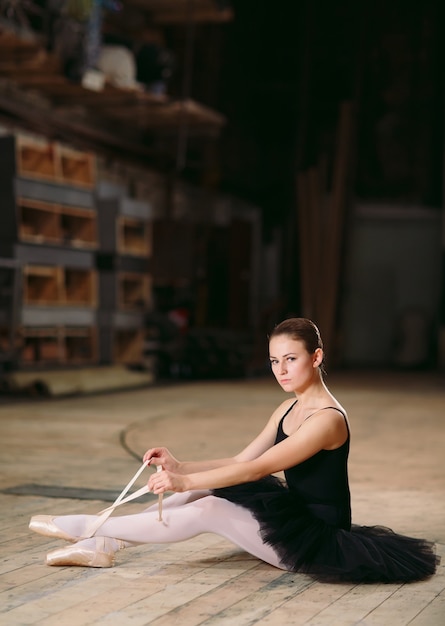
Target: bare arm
x=261 y=443
x=162 y=456
x=326 y=431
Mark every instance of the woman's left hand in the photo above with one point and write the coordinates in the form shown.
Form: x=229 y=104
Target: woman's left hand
x=160 y=482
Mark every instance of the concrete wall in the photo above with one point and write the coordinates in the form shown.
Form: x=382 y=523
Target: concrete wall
x=392 y=286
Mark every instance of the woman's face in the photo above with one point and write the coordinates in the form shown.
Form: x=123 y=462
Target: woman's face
x=292 y=365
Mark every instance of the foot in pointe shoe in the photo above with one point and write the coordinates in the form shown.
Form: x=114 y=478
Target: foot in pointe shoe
x=82 y=556
x=44 y=525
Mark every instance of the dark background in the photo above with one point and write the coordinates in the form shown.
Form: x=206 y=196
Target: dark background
x=279 y=71
x=334 y=133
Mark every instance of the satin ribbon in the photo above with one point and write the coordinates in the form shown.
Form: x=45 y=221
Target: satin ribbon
x=105 y=513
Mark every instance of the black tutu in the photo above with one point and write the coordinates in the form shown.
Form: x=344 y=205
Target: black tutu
x=306 y=543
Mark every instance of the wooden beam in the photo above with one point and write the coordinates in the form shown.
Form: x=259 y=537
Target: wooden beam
x=198 y=16
x=337 y=213
x=65 y=126
x=182 y=11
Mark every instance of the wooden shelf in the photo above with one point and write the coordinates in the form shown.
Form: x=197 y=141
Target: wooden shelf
x=45 y=285
x=43 y=222
x=58 y=345
x=133 y=236
x=128 y=346
x=134 y=293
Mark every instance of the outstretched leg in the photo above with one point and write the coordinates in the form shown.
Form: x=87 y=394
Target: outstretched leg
x=182 y=521
x=75 y=526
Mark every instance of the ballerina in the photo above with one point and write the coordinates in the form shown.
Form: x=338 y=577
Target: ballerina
x=300 y=524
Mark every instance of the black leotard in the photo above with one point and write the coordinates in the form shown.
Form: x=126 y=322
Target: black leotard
x=322 y=480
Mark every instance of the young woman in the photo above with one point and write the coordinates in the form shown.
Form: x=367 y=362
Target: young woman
x=302 y=524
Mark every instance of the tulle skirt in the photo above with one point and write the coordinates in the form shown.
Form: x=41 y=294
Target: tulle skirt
x=308 y=544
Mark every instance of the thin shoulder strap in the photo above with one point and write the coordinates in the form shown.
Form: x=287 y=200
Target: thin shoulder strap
x=280 y=424
x=288 y=410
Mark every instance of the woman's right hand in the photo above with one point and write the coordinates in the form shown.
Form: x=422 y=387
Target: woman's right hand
x=162 y=456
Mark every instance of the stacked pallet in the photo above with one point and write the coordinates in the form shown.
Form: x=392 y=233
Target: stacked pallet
x=49 y=229
x=85 y=286
x=125 y=286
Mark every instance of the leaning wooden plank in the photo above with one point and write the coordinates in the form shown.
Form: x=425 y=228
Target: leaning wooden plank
x=317 y=241
x=303 y=236
x=335 y=241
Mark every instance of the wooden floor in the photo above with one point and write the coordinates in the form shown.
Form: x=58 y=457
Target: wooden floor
x=69 y=455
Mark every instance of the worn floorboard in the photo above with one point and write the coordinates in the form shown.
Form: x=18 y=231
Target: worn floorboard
x=87 y=447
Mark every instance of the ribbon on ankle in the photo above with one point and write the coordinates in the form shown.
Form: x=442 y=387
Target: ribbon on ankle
x=105 y=513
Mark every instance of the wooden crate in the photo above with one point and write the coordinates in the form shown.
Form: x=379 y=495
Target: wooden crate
x=78 y=227
x=79 y=287
x=49 y=285
x=76 y=168
x=58 y=346
x=39 y=222
x=44 y=222
x=128 y=346
x=80 y=345
x=42 y=346
x=36 y=158
x=42 y=285
x=134 y=291
x=133 y=236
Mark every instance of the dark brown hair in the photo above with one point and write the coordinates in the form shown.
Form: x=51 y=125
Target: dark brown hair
x=300 y=329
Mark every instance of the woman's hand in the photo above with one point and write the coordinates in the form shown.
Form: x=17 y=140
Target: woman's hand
x=162 y=456
x=160 y=482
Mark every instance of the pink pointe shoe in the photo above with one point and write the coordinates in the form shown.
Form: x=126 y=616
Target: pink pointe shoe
x=44 y=525
x=83 y=557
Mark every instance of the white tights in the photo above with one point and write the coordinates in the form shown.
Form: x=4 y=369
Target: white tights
x=184 y=516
